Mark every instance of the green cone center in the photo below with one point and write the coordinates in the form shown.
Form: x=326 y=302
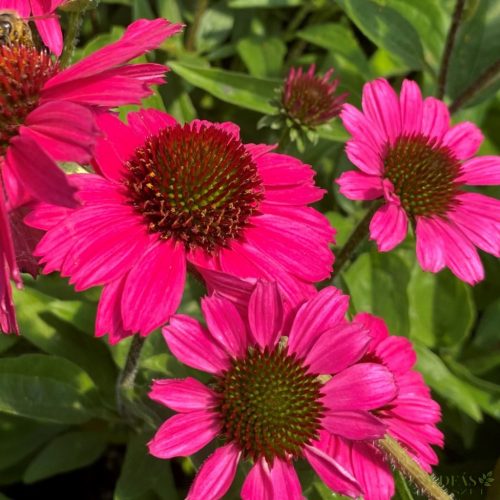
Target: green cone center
x=423 y=174
x=270 y=405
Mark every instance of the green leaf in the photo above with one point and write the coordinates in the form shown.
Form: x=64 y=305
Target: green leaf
x=333 y=131
x=386 y=28
x=7 y=341
x=65 y=453
x=142 y=474
x=47 y=388
x=250 y=4
x=445 y=383
x=235 y=88
x=441 y=309
x=263 y=56
x=215 y=27
x=403 y=490
x=19 y=437
x=377 y=283
x=142 y=10
x=486 y=336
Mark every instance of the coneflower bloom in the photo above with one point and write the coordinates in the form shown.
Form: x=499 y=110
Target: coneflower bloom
x=411 y=417
x=267 y=400
x=412 y=158
x=172 y=196
x=310 y=100
x=47 y=23
x=48 y=114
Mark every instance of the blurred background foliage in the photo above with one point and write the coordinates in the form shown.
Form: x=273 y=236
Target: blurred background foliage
x=60 y=432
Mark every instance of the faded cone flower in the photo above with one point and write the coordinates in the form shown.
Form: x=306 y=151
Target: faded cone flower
x=267 y=401
x=48 y=114
x=411 y=158
x=172 y=196
x=411 y=417
x=310 y=100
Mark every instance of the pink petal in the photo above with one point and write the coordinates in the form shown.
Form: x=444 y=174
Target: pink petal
x=364 y=157
x=230 y=128
x=357 y=425
x=435 y=119
x=183 y=395
x=336 y=477
x=258 y=485
x=22 y=7
x=481 y=171
x=430 y=251
x=45 y=216
x=375 y=325
x=381 y=106
x=216 y=474
x=50 y=32
x=265 y=314
x=154 y=287
x=360 y=186
x=184 y=434
x=362 y=129
x=283 y=170
x=463 y=139
x=193 y=345
x=365 y=386
x=149 y=122
x=397 y=354
x=65 y=130
x=410 y=102
x=388 y=226
x=317 y=315
x=338 y=348
x=225 y=325
x=38 y=172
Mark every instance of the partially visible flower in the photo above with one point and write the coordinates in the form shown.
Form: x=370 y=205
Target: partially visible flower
x=267 y=401
x=411 y=417
x=310 y=100
x=173 y=196
x=49 y=115
x=412 y=158
x=46 y=21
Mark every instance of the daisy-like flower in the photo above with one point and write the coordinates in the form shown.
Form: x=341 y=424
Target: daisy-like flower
x=47 y=23
x=411 y=417
x=267 y=401
x=412 y=158
x=172 y=196
x=310 y=100
x=48 y=115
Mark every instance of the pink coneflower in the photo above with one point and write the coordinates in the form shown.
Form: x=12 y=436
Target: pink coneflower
x=267 y=400
x=410 y=418
x=410 y=156
x=48 y=115
x=173 y=196
x=47 y=23
x=310 y=100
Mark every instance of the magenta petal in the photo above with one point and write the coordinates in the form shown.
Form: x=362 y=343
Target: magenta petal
x=258 y=485
x=50 y=32
x=265 y=314
x=435 y=118
x=364 y=157
x=184 y=434
x=338 y=348
x=362 y=129
x=184 y=395
x=22 y=7
x=356 y=425
x=336 y=477
x=411 y=104
x=39 y=173
x=430 y=251
x=225 y=325
x=193 y=345
x=389 y=226
x=360 y=186
x=154 y=287
x=364 y=386
x=148 y=122
x=216 y=474
x=463 y=139
x=481 y=171
x=285 y=481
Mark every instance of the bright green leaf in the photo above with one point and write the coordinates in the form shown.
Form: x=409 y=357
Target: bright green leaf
x=263 y=56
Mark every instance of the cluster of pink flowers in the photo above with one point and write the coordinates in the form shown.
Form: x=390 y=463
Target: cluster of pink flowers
x=291 y=376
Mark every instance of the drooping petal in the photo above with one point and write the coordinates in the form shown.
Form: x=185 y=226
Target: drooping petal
x=193 y=345
x=50 y=31
x=364 y=157
x=430 y=252
x=216 y=474
x=356 y=425
x=360 y=186
x=361 y=128
x=389 y=226
x=154 y=287
x=258 y=483
x=463 y=139
x=481 y=171
x=184 y=396
x=184 y=434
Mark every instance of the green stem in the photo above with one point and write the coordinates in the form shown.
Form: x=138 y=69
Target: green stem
x=284 y=140
x=71 y=38
x=201 y=7
x=358 y=235
x=404 y=463
x=450 y=42
x=127 y=376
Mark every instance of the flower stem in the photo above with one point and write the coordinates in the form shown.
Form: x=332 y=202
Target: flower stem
x=201 y=7
x=74 y=24
x=127 y=376
x=483 y=80
x=357 y=236
x=404 y=463
x=450 y=42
